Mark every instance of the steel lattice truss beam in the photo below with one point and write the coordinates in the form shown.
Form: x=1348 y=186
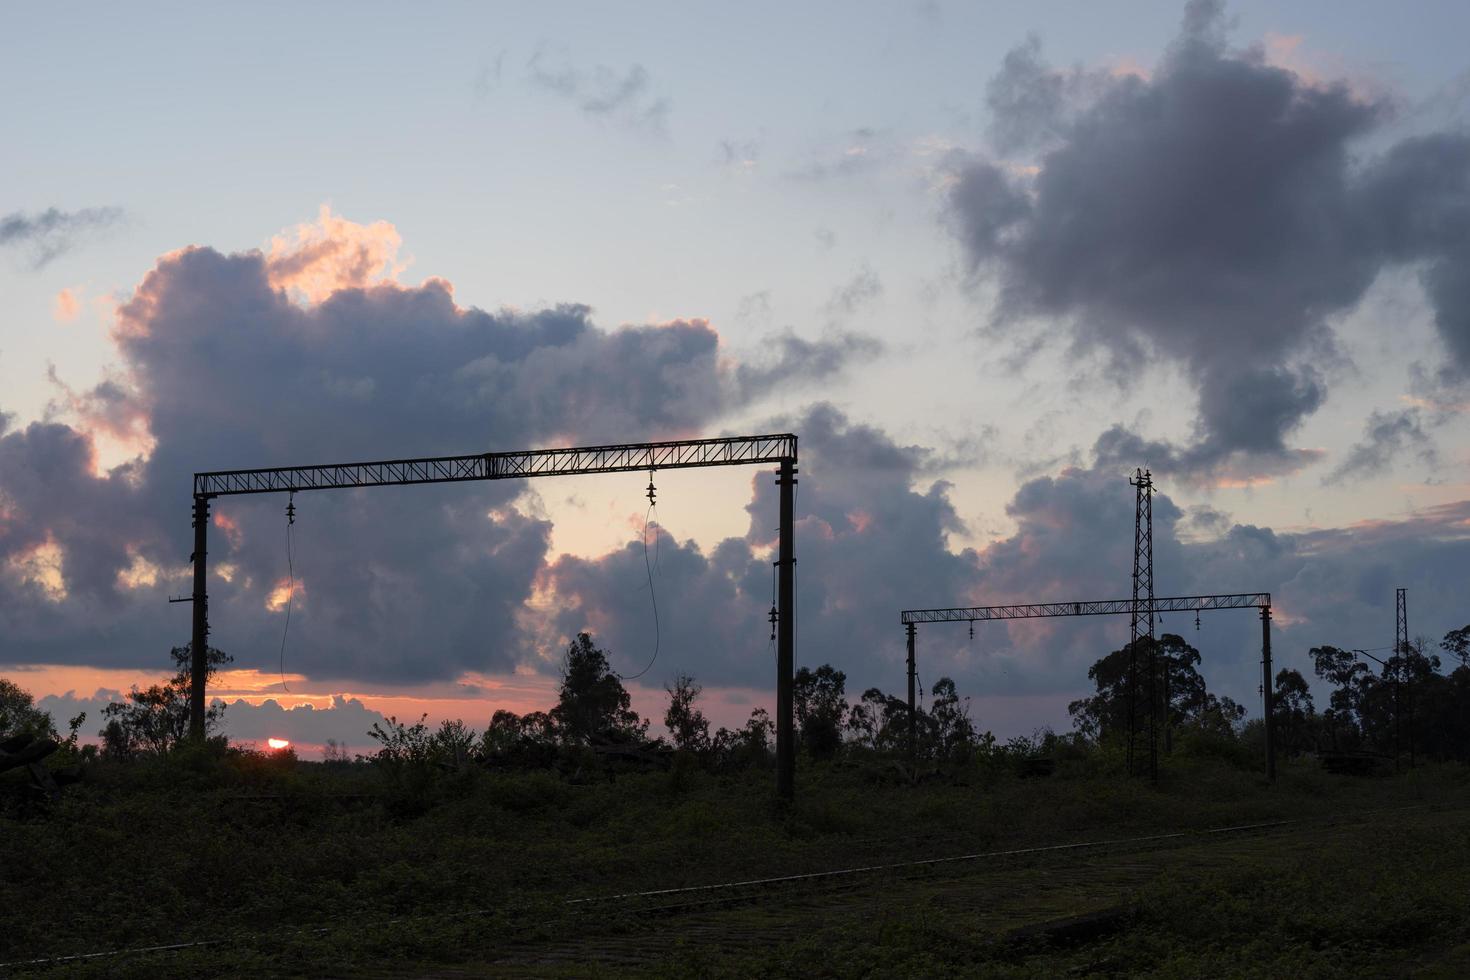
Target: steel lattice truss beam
x=679 y=454
x=1105 y=607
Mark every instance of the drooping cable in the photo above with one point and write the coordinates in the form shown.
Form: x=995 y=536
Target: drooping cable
x=290 y=586
x=649 y=518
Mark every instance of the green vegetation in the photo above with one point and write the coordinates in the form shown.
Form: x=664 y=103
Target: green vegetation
x=451 y=849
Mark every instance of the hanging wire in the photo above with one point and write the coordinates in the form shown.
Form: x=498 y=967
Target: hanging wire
x=649 y=518
x=291 y=586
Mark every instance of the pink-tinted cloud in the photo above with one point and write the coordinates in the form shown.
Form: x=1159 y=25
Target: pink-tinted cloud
x=67 y=305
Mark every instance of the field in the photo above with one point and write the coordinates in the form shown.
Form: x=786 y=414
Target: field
x=288 y=868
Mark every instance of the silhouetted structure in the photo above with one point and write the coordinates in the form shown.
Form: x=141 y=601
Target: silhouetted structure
x=630 y=457
x=1108 y=607
x=1141 y=618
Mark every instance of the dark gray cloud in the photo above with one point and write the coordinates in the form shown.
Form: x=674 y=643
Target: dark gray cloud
x=223 y=370
x=1386 y=436
x=48 y=234
x=1213 y=216
x=624 y=97
x=791 y=357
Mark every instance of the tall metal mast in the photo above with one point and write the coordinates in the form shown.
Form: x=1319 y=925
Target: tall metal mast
x=1142 y=620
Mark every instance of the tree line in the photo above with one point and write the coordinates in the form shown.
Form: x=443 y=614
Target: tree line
x=1407 y=707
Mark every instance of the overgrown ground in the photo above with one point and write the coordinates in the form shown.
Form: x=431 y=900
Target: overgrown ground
x=303 y=869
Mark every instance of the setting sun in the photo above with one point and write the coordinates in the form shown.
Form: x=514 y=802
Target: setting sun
x=277 y=744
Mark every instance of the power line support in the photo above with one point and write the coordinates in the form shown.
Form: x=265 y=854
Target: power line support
x=1267 y=694
x=1142 y=620
x=1401 y=651
x=1116 y=607
x=199 y=637
x=785 y=636
x=912 y=629
x=778 y=448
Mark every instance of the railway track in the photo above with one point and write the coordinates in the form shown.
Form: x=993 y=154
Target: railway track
x=637 y=921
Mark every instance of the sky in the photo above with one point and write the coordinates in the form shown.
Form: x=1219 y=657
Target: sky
x=984 y=259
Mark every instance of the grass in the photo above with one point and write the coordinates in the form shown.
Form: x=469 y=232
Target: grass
x=308 y=869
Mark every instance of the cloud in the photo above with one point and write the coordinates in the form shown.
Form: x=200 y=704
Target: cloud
x=51 y=233
x=852 y=154
x=791 y=357
x=313 y=261
x=623 y=97
x=312 y=352
x=848 y=298
x=740 y=156
x=1386 y=435
x=67 y=306
x=1212 y=216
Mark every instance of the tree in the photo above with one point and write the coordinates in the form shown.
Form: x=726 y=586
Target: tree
x=157 y=719
x=880 y=721
x=686 y=723
x=953 y=732
x=1347 y=674
x=821 y=709
x=593 y=706
x=1180 y=691
x=750 y=745
x=19 y=714
x=1457 y=644
x=1293 y=710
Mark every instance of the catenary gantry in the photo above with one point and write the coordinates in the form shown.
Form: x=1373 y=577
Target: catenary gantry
x=911 y=618
x=779 y=448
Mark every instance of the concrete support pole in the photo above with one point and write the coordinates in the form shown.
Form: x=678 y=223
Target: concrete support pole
x=913 y=630
x=786 y=636
x=1267 y=694
x=199 y=639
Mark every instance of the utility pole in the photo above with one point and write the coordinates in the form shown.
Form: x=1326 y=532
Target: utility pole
x=199 y=638
x=912 y=629
x=785 y=635
x=1268 y=699
x=1402 y=650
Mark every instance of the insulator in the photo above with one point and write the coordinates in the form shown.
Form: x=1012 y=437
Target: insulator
x=291 y=508
x=972 y=630
x=651 y=488
x=774 y=617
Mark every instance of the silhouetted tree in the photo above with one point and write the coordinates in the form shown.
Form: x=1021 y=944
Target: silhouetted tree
x=157 y=719
x=747 y=746
x=821 y=709
x=19 y=714
x=953 y=732
x=880 y=721
x=593 y=706
x=1457 y=644
x=1180 y=691
x=1346 y=674
x=686 y=723
x=1294 y=712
